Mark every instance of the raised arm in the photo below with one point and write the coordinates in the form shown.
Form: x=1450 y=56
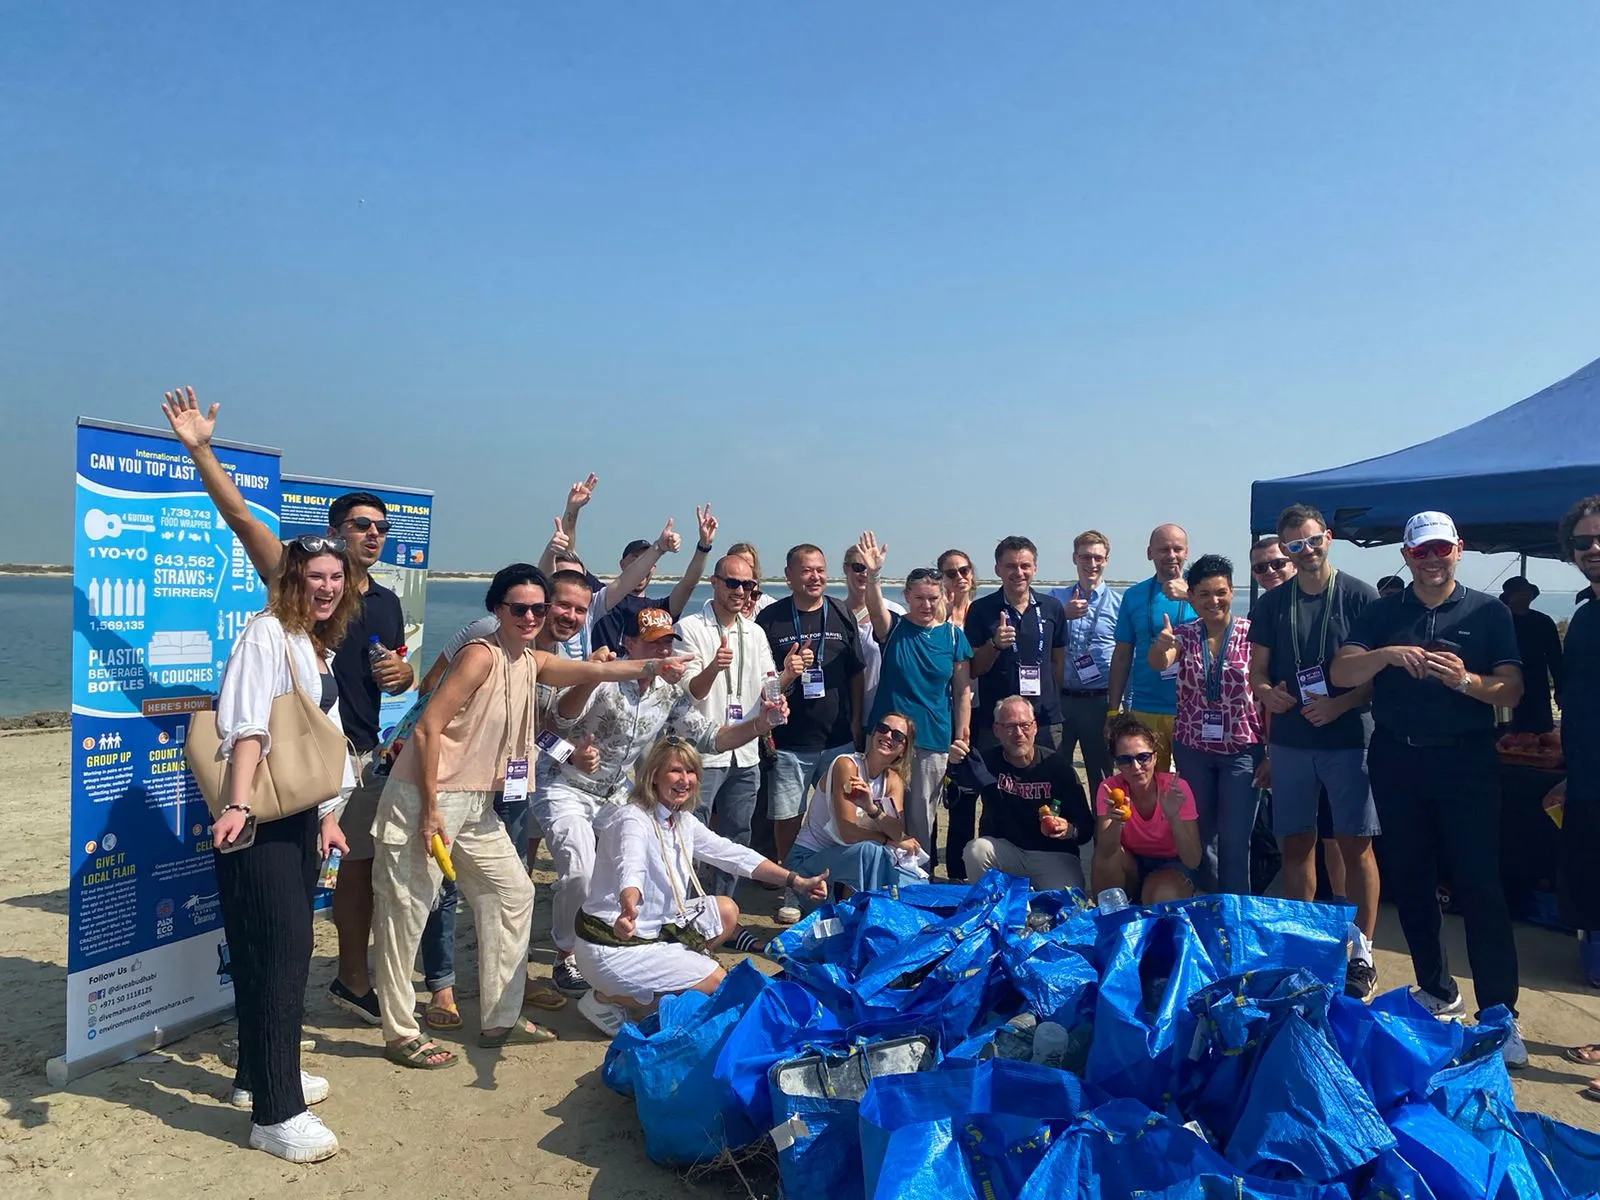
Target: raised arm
x=1163 y=647
x=634 y=573
x=559 y=543
x=578 y=495
x=194 y=430
x=873 y=554
x=695 y=571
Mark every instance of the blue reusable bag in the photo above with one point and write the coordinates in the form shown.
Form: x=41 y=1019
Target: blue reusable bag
x=783 y=1019
x=1573 y=1154
x=675 y=1009
x=1055 y=980
x=1393 y=1046
x=1253 y=933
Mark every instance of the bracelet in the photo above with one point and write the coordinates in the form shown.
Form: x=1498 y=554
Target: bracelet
x=702 y=548
x=244 y=808
x=649 y=669
x=789 y=882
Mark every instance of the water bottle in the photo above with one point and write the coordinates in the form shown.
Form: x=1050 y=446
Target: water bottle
x=1014 y=1039
x=1050 y=1045
x=771 y=693
x=376 y=651
x=1112 y=899
x=329 y=875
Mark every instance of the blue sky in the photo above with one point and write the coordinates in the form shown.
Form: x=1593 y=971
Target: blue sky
x=945 y=270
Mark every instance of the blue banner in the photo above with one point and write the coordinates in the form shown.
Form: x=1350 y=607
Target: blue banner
x=161 y=588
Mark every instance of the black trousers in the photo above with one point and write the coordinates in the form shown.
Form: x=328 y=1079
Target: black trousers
x=963 y=824
x=1443 y=802
x=266 y=892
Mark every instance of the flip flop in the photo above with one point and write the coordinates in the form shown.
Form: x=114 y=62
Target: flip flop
x=416 y=1052
x=518 y=1035
x=544 y=997
x=442 y=1017
x=1584 y=1056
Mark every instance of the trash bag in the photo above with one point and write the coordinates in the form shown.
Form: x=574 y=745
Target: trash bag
x=828 y=949
x=1453 y=1163
x=675 y=1009
x=1304 y=1115
x=1151 y=964
x=1255 y=933
x=1391 y=1177
x=1477 y=1068
x=686 y=1115
x=1393 y=1046
x=783 y=1019
x=1056 y=981
x=816 y=1099
x=965 y=1130
x=1573 y=1154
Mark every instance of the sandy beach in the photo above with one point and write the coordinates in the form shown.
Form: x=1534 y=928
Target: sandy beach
x=531 y=1122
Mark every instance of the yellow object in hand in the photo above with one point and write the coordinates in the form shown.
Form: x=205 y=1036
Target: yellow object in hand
x=441 y=855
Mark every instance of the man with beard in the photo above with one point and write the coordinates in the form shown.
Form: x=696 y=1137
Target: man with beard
x=1151 y=695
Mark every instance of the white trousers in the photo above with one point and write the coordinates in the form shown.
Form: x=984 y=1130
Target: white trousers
x=567 y=816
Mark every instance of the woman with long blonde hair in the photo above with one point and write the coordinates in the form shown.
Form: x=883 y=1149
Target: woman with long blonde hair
x=960 y=585
x=647 y=928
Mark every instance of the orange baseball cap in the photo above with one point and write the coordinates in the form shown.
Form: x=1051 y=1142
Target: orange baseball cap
x=652 y=624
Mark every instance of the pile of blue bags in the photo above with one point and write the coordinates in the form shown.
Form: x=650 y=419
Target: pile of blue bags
x=993 y=1043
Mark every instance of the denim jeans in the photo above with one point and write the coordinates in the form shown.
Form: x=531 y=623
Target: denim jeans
x=729 y=793
x=1225 y=796
x=438 y=951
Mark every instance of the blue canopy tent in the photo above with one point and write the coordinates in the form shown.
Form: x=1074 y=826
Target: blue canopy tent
x=1505 y=479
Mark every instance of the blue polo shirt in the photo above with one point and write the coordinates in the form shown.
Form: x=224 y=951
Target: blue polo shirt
x=1483 y=638
x=1094 y=634
x=1138 y=622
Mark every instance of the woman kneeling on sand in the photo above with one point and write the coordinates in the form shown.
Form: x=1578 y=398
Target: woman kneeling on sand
x=647 y=928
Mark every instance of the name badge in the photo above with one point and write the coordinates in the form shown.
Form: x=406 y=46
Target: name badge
x=516 y=780
x=1172 y=671
x=554 y=745
x=1313 y=683
x=735 y=714
x=812 y=688
x=1088 y=671
x=1027 y=679
x=1213 y=725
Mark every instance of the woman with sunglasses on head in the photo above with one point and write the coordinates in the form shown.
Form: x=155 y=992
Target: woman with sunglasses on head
x=854 y=830
x=267 y=871
x=646 y=929
x=960 y=585
x=1147 y=840
x=1217 y=732
x=475 y=738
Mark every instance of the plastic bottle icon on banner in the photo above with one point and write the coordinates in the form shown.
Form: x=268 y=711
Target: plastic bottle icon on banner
x=92 y=594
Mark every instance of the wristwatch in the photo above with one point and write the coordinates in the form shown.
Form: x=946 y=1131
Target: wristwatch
x=702 y=547
x=1466 y=683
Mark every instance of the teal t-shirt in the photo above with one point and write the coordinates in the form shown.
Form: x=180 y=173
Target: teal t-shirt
x=917 y=664
x=1138 y=622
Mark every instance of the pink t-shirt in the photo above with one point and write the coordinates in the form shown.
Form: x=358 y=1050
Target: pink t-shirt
x=1148 y=837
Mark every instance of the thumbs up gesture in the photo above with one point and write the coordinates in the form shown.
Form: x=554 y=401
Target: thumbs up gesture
x=1005 y=636
x=669 y=541
x=724 y=656
x=1078 y=605
x=1167 y=639
x=559 y=541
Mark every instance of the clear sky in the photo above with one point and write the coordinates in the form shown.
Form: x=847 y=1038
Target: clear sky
x=947 y=270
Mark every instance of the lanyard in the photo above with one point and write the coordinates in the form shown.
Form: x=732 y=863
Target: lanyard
x=1038 y=617
x=667 y=860
x=735 y=688
x=527 y=714
x=1150 y=612
x=1214 y=666
x=1294 y=621
x=1082 y=630
x=822 y=630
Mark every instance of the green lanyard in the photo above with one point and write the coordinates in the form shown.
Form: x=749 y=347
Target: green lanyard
x=1294 y=620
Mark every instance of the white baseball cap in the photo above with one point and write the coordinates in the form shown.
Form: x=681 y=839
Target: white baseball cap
x=1430 y=527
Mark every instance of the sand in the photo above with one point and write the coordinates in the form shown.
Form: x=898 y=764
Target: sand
x=533 y=1121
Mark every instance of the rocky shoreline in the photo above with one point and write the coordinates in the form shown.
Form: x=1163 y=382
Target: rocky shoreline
x=49 y=719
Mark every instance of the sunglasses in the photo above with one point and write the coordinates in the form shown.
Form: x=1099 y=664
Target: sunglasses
x=1270 y=564
x=739 y=585
x=1585 y=543
x=1430 y=550
x=316 y=543
x=363 y=524
x=518 y=611
x=888 y=731
x=958 y=572
x=1315 y=542
x=922 y=575
x=1144 y=758
x=860 y=568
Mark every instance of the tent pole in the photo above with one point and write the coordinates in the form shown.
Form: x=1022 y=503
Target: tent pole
x=1522 y=565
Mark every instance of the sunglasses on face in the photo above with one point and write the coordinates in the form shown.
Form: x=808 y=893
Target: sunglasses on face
x=1297 y=546
x=363 y=524
x=888 y=731
x=1586 y=543
x=739 y=585
x=860 y=568
x=316 y=543
x=1430 y=550
x=1270 y=564
x=518 y=611
x=957 y=572
x=1144 y=758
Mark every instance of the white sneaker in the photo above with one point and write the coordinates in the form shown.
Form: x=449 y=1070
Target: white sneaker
x=300 y=1139
x=314 y=1088
x=1445 y=1010
x=607 y=1018
x=789 y=909
x=1515 y=1052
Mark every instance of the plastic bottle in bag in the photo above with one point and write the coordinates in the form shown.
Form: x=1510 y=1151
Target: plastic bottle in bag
x=1050 y=1045
x=1112 y=899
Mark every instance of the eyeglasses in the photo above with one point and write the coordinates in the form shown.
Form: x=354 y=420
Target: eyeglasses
x=958 y=572
x=1584 y=543
x=1430 y=550
x=739 y=585
x=1270 y=564
x=1014 y=726
x=1300 y=544
x=316 y=543
x=860 y=568
x=888 y=731
x=519 y=611
x=363 y=524
x=1144 y=758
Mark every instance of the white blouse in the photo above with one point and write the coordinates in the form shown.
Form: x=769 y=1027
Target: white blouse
x=257 y=674
x=655 y=852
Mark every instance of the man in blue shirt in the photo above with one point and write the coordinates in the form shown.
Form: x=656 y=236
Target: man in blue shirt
x=1091 y=609
x=1151 y=695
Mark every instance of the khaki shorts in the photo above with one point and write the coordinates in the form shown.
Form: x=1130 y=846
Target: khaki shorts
x=361 y=809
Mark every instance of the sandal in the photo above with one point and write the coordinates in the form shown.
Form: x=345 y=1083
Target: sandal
x=417 y=1052
x=442 y=1016
x=545 y=997
x=1589 y=1092
x=1586 y=1056
x=520 y=1034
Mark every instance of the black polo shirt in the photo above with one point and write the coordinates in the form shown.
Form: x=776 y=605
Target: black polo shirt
x=381 y=617
x=1042 y=624
x=1480 y=628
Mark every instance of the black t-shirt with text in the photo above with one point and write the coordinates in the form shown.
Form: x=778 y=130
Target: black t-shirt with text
x=1272 y=623
x=824 y=723
x=1011 y=803
x=381 y=617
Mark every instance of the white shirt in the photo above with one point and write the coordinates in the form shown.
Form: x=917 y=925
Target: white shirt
x=655 y=852
x=257 y=674
x=701 y=636
x=871 y=657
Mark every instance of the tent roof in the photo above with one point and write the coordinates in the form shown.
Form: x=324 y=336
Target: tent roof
x=1506 y=480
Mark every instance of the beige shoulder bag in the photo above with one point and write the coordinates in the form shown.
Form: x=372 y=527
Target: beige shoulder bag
x=304 y=767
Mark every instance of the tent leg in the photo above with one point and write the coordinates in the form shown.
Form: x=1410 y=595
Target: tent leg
x=1522 y=566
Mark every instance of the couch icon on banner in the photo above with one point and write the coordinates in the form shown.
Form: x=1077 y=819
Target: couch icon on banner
x=179 y=647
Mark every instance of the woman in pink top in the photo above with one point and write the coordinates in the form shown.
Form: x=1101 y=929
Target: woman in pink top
x=1151 y=847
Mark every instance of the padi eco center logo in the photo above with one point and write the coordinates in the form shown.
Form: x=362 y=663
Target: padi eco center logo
x=202 y=909
x=164 y=912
